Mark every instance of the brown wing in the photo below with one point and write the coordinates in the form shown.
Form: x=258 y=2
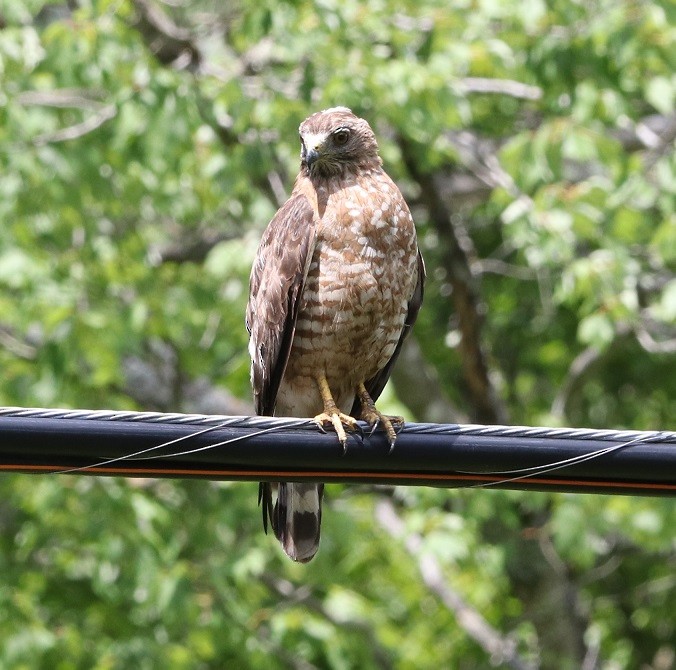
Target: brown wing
x=376 y=384
x=277 y=280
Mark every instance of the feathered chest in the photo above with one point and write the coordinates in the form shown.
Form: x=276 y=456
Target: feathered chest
x=362 y=272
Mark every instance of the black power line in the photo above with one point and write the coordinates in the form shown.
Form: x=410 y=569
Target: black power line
x=149 y=444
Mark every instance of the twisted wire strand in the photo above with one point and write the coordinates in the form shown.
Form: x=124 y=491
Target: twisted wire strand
x=280 y=423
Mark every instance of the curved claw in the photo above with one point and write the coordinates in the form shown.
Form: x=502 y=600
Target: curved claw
x=340 y=422
x=397 y=425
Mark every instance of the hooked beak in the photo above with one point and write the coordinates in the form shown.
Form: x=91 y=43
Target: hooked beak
x=314 y=146
x=311 y=155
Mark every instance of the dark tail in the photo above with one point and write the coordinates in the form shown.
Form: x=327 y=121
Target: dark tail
x=296 y=517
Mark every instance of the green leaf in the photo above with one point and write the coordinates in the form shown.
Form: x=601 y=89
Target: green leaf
x=596 y=330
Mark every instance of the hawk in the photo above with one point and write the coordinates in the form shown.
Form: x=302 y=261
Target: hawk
x=335 y=287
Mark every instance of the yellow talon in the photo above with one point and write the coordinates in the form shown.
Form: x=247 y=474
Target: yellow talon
x=339 y=421
x=332 y=415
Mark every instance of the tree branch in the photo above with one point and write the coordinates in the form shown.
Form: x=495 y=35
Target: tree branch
x=178 y=48
x=192 y=247
x=499 y=267
x=651 y=345
x=501 y=650
x=18 y=347
x=581 y=363
x=487 y=406
x=589 y=356
x=79 y=129
x=429 y=403
x=80 y=98
x=664 y=140
x=293 y=595
x=171 y=44
x=509 y=87
x=479 y=155
x=156 y=382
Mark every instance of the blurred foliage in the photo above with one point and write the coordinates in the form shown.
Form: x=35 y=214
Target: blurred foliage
x=121 y=159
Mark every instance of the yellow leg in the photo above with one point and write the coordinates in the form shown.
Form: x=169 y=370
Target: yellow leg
x=332 y=415
x=374 y=417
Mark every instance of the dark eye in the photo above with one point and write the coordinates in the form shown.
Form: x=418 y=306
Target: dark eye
x=341 y=136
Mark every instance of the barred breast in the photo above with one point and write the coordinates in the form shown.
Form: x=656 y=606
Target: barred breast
x=361 y=278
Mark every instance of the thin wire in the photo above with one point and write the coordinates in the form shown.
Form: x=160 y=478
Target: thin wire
x=232 y=440
x=134 y=456
x=553 y=467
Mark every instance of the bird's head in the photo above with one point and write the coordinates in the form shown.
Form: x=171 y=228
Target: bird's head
x=335 y=141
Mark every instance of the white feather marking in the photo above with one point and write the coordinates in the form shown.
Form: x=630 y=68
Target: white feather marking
x=314 y=140
x=306 y=502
